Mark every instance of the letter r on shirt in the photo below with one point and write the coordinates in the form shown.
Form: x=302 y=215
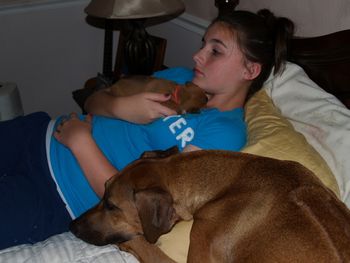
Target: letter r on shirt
x=185 y=136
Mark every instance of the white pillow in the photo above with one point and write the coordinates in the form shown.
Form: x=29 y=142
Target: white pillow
x=319 y=116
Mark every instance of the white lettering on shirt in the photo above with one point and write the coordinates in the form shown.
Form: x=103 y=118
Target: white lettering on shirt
x=177 y=125
x=186 y=135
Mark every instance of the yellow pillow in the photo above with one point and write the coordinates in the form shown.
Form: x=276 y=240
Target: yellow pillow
x=270 y=135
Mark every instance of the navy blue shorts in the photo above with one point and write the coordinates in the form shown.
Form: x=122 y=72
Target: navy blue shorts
x=30 y=207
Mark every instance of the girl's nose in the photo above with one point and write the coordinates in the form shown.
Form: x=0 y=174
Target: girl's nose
x=197 y=57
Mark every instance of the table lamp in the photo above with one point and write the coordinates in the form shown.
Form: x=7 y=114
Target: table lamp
x=139 y=48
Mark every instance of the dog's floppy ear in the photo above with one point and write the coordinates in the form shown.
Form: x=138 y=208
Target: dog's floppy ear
x=156 y=212
x=160 y=153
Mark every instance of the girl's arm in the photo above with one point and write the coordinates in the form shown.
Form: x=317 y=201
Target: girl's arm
x=76 y=135
x=140 y=108
x=191 y=148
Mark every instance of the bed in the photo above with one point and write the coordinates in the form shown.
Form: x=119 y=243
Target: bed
x=292 y=118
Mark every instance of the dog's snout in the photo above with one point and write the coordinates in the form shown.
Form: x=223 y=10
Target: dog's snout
x=78 y=228
x=73 y=227
x=81 y=230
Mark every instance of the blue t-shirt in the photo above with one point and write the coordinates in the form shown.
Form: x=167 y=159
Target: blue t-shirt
x=123 y=142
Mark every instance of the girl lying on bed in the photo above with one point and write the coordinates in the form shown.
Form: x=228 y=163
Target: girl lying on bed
x=54 y=170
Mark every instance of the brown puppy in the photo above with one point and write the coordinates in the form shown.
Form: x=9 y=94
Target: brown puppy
x=246 y=208
x=188 y=98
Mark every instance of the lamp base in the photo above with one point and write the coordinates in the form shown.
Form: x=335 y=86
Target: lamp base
x=139 y=53
x=139 y=50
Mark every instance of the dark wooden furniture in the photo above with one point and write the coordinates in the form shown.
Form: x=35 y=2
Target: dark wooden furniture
x=226 y=6
x=326 y=60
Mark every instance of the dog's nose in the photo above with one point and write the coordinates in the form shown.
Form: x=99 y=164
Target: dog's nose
x=82 y=230
x=78 y=227
x=73 y=227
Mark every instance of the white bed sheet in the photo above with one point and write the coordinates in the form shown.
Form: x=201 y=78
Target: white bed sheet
x=65 y=248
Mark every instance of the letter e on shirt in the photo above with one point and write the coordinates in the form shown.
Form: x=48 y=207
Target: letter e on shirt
x=179 y=127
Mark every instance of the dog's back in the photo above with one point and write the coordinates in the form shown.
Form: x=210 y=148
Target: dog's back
x=246 y=208
x=262 y=209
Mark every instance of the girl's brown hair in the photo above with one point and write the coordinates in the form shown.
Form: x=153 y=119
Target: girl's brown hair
x=263 y=38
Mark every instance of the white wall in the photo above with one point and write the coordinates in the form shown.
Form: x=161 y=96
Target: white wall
x=49 y=51
x=184 y=37
x=204 y=9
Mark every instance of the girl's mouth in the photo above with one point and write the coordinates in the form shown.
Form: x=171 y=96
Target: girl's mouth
x=197 y=72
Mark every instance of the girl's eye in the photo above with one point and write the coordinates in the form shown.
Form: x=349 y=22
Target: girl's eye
x=215 y=52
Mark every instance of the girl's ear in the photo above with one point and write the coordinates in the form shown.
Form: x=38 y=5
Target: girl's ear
x=253 y=70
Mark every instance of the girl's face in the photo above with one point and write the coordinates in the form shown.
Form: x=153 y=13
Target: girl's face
x=220 y=65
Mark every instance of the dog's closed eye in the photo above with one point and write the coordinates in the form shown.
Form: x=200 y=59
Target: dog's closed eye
x=108 y=205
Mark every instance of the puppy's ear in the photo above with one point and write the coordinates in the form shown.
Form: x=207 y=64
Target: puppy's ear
x=160 y=153
x=156 y=212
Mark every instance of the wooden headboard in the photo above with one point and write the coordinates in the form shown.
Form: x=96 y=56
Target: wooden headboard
x=326 y=59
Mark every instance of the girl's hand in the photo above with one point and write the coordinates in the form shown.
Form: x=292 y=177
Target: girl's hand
x=76 y=135
x=144 y=107
x=140 y=108
x=73 y=132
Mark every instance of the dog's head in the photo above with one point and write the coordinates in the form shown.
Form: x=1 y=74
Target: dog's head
x=192 y=98
x=127 y=210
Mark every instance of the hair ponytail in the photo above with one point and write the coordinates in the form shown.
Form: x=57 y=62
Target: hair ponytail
x=282 y=30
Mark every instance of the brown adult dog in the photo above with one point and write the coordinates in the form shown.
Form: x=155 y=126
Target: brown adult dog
x=188 y=98
x=246 y=208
